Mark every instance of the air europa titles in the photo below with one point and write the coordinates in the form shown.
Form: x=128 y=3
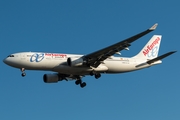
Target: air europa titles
x=150 y=47
x=56 y=55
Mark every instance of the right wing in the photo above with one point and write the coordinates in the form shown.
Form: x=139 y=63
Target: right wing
x=95 y=59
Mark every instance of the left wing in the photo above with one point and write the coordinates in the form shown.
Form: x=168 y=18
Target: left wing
x=95 y=59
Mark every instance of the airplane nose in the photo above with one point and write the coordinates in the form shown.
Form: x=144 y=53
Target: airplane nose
x=9 y=61
x=5 y=61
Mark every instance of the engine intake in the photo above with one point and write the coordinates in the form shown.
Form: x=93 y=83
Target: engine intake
x=75 y=61
x=51 y=78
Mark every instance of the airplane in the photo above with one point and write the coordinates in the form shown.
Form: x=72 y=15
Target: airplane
x=75 y=67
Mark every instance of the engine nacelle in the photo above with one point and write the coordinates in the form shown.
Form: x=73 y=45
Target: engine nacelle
x=50 y=78
x=75 y=61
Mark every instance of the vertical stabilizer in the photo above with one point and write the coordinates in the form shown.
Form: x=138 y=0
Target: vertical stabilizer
x=151 y=49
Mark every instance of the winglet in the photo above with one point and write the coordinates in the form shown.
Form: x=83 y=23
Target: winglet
x=153 y=27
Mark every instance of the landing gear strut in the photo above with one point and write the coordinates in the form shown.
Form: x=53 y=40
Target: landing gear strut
x=79 y=82
x=23 y=72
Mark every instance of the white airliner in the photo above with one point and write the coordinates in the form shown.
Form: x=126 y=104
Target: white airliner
x=74 y=67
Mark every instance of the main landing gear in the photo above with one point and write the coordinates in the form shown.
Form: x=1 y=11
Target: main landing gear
x=83 y=84
x=23 y=72
x=79 y=82
x=96 y=75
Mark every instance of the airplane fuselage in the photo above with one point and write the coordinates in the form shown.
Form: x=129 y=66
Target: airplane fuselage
x=57 y=62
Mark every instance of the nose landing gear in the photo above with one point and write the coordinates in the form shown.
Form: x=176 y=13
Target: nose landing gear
x=23 y=72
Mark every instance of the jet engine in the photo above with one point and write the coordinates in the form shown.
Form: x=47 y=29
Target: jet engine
x=75 y=61
x=51 y=78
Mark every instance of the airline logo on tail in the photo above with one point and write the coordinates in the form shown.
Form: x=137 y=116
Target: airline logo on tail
x=152 y=47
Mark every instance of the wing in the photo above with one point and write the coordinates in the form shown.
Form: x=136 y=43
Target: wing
x=95 y=59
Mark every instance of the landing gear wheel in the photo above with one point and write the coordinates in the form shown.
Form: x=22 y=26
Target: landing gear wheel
x=97 y=75
x=23 y=74
x=91 y=73
x=83 y=84
x=78 y=82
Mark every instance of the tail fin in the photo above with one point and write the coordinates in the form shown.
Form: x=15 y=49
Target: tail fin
x=151 y=49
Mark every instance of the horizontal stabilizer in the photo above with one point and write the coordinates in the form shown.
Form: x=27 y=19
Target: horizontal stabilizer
x=160 y=57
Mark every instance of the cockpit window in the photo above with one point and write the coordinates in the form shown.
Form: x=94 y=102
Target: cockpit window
x=10 y=55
